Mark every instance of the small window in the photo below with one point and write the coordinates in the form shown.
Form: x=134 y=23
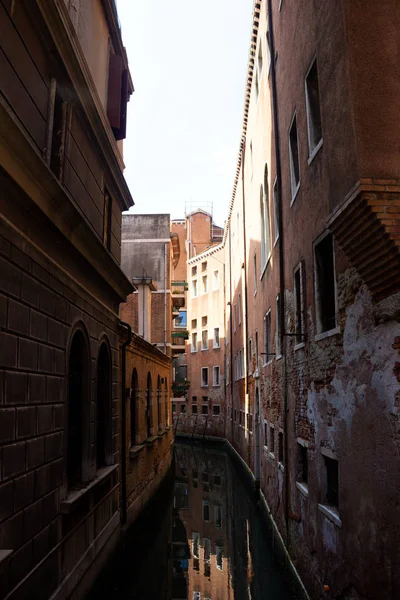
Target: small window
x=250 y=358
x=219 y=556
x=313 y=108
x=276 y=212
x=204 y=376
x=194 y=342
x=255 y=272
x=204 y=284
x=173 y=408
x=194 y=399
x=332 y=481
x=256 y=349
x=107 y=219
x=196 y=544
x=215 y=281
x=280 y=447
x=204 y=409
x=218 y=514
x=183 y=409
x=216 y=337
x=216 y=409
x=278 y=326
x=260 y=60
x=216 y=378
x=272 y=439
x=194 y=288
x=194 y=409
x=239 y=309
x=265 y=219
x=204 y=266
x=207 y=546
x=194 y=323
x=234 y=317
x=267 y=337
x=204 y=321
x=325 y=285
x=204 y=340
x=249 y=422
x=294 y=158
x=204 y=399
x=206 y=511
x=299 y=303
x=302 y=460
x=265 y=434
x=194 y=271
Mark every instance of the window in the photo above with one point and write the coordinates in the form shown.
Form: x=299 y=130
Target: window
x=194 y=288
x=272 y=439
x=204 y=376
x=234 y=317
x=278 y=327
x=267 y=54
x=173 y=407
x=294 y=158
x=332 y=481
x=183 y=409
x=206 y=510
x=239 y=309
x=256 y=349
x=204 y=398
x=219 y=556
x=280 y=447
x=194 y=409
x=216 y=337
x=207 y=546
x=56 y=130
x=249 y=422
x=260 y=60
x=218 y=514
x=117 y=97
x=204 y=321
x=204 y=266
x=194 y=323
x=204 y=409
x=302 y=462
x=313 y=109
x=204 y=340
x=194 y=399
x=217 y=480
x=181 y=320
x=194 y=271
x=265 y=219
x=107 y=218
x=265 y=434
x=215 y=280
x=216 y=378
x=256 y=85
x=299 y=303
x=276 y=212
x=216 y=410
x=204 y=284
x=250 y=359
x=267 y=337
x=196 y=544
x=194 y=342
x=325 y=285
x=255 y=272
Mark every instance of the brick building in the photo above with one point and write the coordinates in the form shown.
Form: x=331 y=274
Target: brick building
x=64 y=88
x=312 y=289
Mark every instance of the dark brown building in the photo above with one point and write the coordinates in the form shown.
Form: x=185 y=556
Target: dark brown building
x=64 y=87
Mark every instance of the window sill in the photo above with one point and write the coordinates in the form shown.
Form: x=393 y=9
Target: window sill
x=204 y=349
x=276 y=240
x=193 y=351
x=270 y=361
x=326 y=334
x=278 y=357
x=315 y=152
x=134 y=451
x=75 y=496
x=265 y=266
x=150 y=440
x=272 y=455
x=216 y=347
x=294 y=196
x=331 y=513
x=303 y=488
x=216 y=385
x=299 y=346
x=4 y=554
x=281 y=467
x=265 y=448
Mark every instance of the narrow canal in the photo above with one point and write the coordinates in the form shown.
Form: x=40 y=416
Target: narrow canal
x=202 y=538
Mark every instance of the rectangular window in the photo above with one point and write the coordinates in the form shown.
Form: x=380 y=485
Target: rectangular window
x=204 y=340
x=239 y=309
x=256 y=349
x=260 y=60
x=216 y=337
x=299 y=303
x=250 y=357
x=325 y=285
x=219 y=557
x=294 y=158
x=250 y=422
x=267 y=54
x=332 y=481
x=204 y=399
x=265 y=434
x=272 y=439
x=204 y=284
x=204 y=321
x=280 y=447
x=196 y=545
x=194 y=342
x=215 y=280
x=313 y=109
x=255 y=272
x=204 y=409
x=216 y=410
x=194 y=409
x=194 y=271
x=194 y=288
x=278 y=326
x=302 y=463
x=183 y=408
x=206 y=511
x=194 y=399
x=216 y=378
x=57 y=125
x=174 y=408
x=204 y=376
x=234 y=317
x=181 y=320
x=204 y=266
x=276 y=212
x=107 y=220
x=194 y=323
x=267 y=337
x=257 y=88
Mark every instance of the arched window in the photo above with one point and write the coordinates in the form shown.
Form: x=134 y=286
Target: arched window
x=103 y=408
x=159 y=409
x=265 y=220
x=149 y=408
x=134 y=398
x=78 y=409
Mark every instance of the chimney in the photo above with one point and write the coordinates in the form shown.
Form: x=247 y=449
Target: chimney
x=144 y=286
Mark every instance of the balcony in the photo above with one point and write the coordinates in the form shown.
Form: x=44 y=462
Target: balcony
x=367 y=228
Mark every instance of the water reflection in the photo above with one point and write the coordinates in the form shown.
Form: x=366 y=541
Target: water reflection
x=202 y=540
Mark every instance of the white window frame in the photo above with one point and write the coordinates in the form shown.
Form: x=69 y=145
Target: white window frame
x=216 y=380
x=294 y=187
x=204 y=370
x=312 y=150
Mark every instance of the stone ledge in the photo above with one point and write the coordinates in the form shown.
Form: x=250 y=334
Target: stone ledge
x=150 y=440
x=4 y=554
x=331 y=513
x=74 y=497
x=134 y=451
x=303 y=488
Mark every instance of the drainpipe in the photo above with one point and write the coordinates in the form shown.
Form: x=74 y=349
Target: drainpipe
x=123 y=421
x=281 y=264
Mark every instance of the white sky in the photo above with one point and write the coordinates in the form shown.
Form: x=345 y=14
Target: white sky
x=188 y=63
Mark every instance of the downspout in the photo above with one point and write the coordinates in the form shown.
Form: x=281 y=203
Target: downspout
x=281 y=264
x=123 y=421
x=165 y=298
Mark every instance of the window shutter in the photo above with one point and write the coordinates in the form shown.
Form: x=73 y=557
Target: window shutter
x=114 y=100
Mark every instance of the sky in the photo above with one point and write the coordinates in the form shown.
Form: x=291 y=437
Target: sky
x=188 y=62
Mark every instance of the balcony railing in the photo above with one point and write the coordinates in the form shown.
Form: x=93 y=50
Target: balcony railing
x=179 y=287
